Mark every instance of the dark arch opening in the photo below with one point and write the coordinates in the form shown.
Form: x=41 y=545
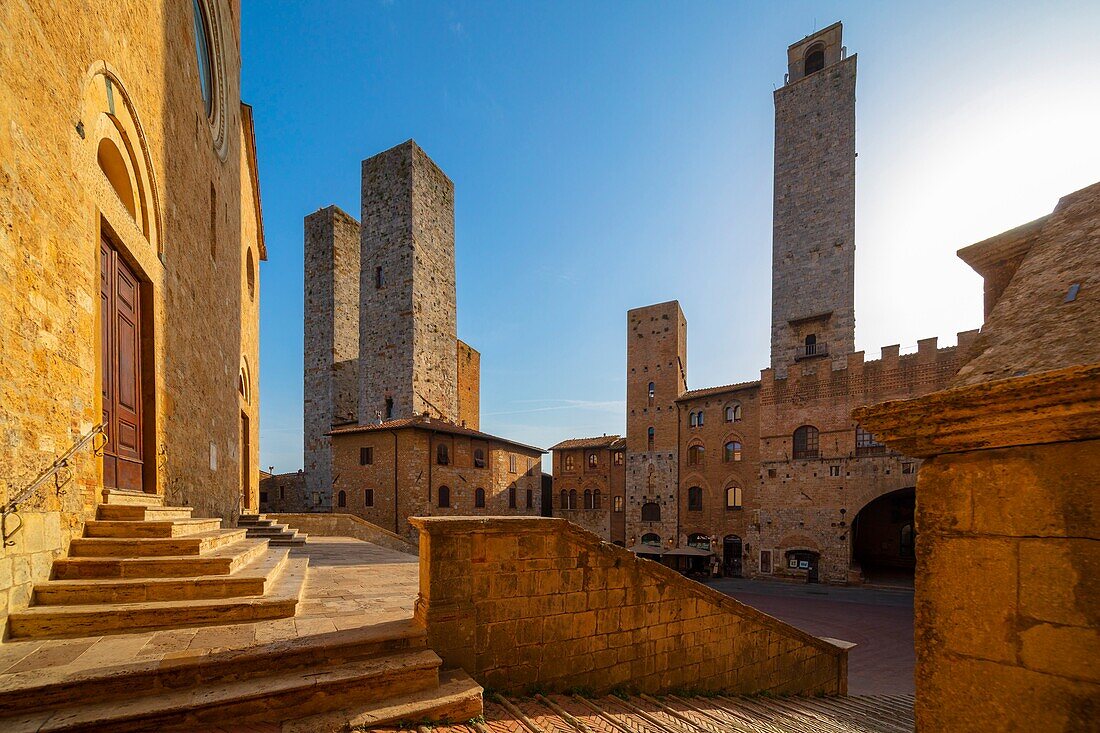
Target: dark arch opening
x=883 y=537
x=815 y=60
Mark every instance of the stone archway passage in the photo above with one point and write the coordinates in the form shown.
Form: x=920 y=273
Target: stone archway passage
x=883 y=538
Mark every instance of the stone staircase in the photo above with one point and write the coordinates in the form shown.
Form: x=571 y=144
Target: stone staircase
x=143 y=571
x=312 y=684
x=278 y=535
x=143 y=566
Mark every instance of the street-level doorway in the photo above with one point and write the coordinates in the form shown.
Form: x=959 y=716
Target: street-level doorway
x=731 y=556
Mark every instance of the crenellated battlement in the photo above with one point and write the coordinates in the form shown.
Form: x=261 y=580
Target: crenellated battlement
x=893 y=373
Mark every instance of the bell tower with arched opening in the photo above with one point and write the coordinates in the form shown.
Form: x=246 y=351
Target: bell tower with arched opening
x=813 y=234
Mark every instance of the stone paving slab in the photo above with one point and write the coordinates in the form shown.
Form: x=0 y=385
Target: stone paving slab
x=350 y=584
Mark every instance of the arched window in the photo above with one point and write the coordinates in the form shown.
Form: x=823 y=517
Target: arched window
x=564 y=499
x=389 y=408
x=342 y=498
x=696 y=453
x=815 y=60
x=806 y=442
x=649 y=439
x=202 y=55
x=733 y=451
x=617 y=503
x=442 y=456
x=905 y=541
x=811 y=345
x=695 y=499
x=479 y=458
x=691 y=419
x=593 y=460
x=596 y=501
x=652 y=391
x=651 y=539
x=733 y=412
x=444 y=497
x=587 y=499
x=699 y=419
x=572 y=498
x=511 y=497
x=569 y=462
x=479 y=498
x=699 y=541
x=250 y=275
x=733 y=497
x=651 y=512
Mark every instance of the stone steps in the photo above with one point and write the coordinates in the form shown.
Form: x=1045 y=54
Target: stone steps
x=220 y=561
x=94 y=619
x=156 y=527
x=250 y=580
x=280 y=535
x=195 y=544
x=140 y=513
x=131 y=498
x=458 y=698
x=273 y=697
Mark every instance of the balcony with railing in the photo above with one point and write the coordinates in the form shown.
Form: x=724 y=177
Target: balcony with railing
x=811 y=350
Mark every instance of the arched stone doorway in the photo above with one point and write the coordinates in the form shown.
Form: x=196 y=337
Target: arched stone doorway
x=883 y=538
x=731 y=556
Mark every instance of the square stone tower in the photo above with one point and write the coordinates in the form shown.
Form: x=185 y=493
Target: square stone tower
x=813 y=235
x=656 y=375
x=331 y=388
x=407 y=342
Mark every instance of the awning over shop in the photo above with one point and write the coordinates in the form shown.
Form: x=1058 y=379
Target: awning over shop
x=689 y=552
x=646 y=550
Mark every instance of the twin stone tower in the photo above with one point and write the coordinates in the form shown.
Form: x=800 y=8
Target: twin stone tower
x=380 y=310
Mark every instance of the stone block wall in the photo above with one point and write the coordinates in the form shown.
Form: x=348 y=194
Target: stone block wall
x=72 y=87
x=813 y=236
x=526 y=603
x=407 y=293
x=331 y=352
x=345 y=525
x=469 y=386
x=1009 y=604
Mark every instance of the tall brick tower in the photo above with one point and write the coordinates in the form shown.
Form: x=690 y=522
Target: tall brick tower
x=331 y=338
x=407 y=344
x=813 y=235
x=656 y=375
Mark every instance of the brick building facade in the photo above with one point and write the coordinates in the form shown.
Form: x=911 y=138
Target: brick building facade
x=773 y=476
x=590 y=485
x=388 y=385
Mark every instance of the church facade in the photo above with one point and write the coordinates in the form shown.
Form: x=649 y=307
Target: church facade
x=772 y=476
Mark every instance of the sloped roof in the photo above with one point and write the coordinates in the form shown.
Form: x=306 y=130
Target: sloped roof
x=692 y=394
x=604 y=441
x=430 y=424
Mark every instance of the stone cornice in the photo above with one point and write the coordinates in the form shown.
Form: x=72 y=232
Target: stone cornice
x=1049 y=407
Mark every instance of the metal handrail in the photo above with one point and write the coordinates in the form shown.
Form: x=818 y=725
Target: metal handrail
x=60 y=464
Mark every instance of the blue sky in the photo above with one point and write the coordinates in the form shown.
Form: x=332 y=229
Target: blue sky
x=611 y=155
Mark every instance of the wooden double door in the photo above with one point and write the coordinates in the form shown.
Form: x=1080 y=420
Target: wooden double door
x=120 y=331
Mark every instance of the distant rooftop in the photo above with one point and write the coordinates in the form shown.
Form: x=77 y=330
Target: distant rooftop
x=604 y=441
x=430 y=424
x=692 y=394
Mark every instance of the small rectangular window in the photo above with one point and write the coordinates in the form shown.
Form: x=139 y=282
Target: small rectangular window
x=618 y=458
x=512 y=467
x=834 y=470
x=617 y=503
x=530 y=499
x=512 y=497
x=907 y=468
x=389 y=408
x=368 y=497
x=379 y=278
x=771 y=473
x=366 y=456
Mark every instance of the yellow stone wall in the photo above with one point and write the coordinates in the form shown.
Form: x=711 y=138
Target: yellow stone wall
x=71 y=75
x=524 y=603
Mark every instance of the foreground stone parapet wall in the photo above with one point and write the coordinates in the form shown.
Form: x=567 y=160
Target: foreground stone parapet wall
x=536 y=603
x=345 y=525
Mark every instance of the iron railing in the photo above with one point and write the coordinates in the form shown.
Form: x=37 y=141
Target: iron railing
x=10 y=510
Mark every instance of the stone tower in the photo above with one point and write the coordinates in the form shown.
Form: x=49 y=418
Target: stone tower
x=656 y=375
x=813 y=235
x=407 y=343
x=331 y=338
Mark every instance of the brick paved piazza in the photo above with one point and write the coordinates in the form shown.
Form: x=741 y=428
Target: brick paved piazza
x=880 y=622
